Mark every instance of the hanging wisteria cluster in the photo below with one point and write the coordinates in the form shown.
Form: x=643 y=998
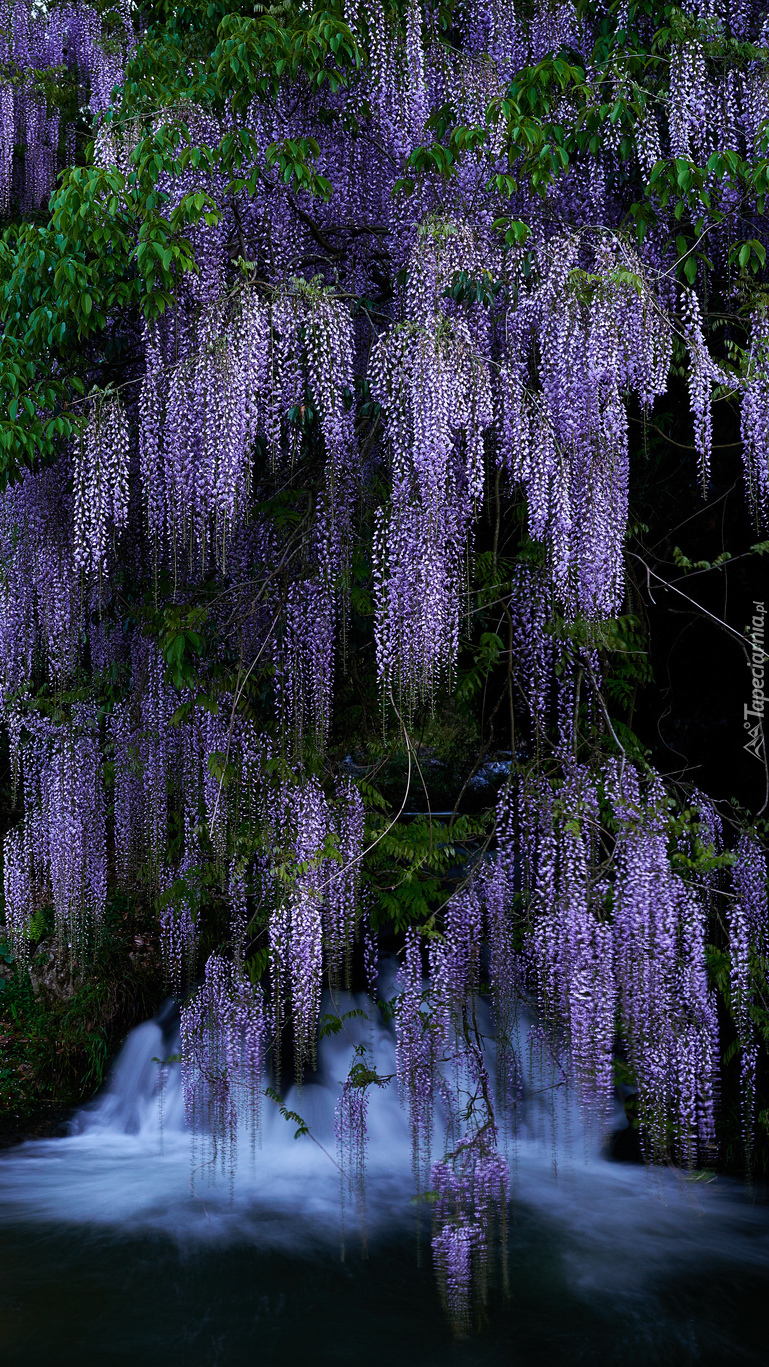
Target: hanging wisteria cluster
x=620 y=954
x=37 y=43
x=361 y=306
x=224 y=1039
x=59 y=855
x=748 y=951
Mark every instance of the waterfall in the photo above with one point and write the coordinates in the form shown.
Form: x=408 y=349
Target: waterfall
x=128 y=1162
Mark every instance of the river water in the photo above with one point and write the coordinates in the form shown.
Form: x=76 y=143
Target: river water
x=110 y=1255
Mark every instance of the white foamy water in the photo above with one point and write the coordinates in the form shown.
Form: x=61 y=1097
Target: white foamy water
x=129 y=1164
x=130 y=1161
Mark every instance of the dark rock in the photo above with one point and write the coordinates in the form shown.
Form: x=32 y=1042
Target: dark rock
x=53 y=971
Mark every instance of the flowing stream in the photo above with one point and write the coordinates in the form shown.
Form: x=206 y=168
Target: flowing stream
x=120 y=1244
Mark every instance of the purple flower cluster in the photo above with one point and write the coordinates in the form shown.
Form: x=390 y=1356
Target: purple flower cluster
x=101 y=468
x=748 y=920
x=563 y=432
x=59 y=854
x=667 y=1004
x=41 y=608
x=224 y=1035
x=178 y=932
x=622 y=957
x=314 y=923
x=471 y=1189
x=306 y=662
x=350 y=1127
x=754 y=418
x=417 y=1053
x=436 y=393
x=34 y=39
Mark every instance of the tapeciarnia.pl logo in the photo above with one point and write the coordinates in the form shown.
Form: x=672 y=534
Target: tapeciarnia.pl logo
x=754 y=711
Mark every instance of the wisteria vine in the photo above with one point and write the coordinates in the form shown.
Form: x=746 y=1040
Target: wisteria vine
x=316 y=322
